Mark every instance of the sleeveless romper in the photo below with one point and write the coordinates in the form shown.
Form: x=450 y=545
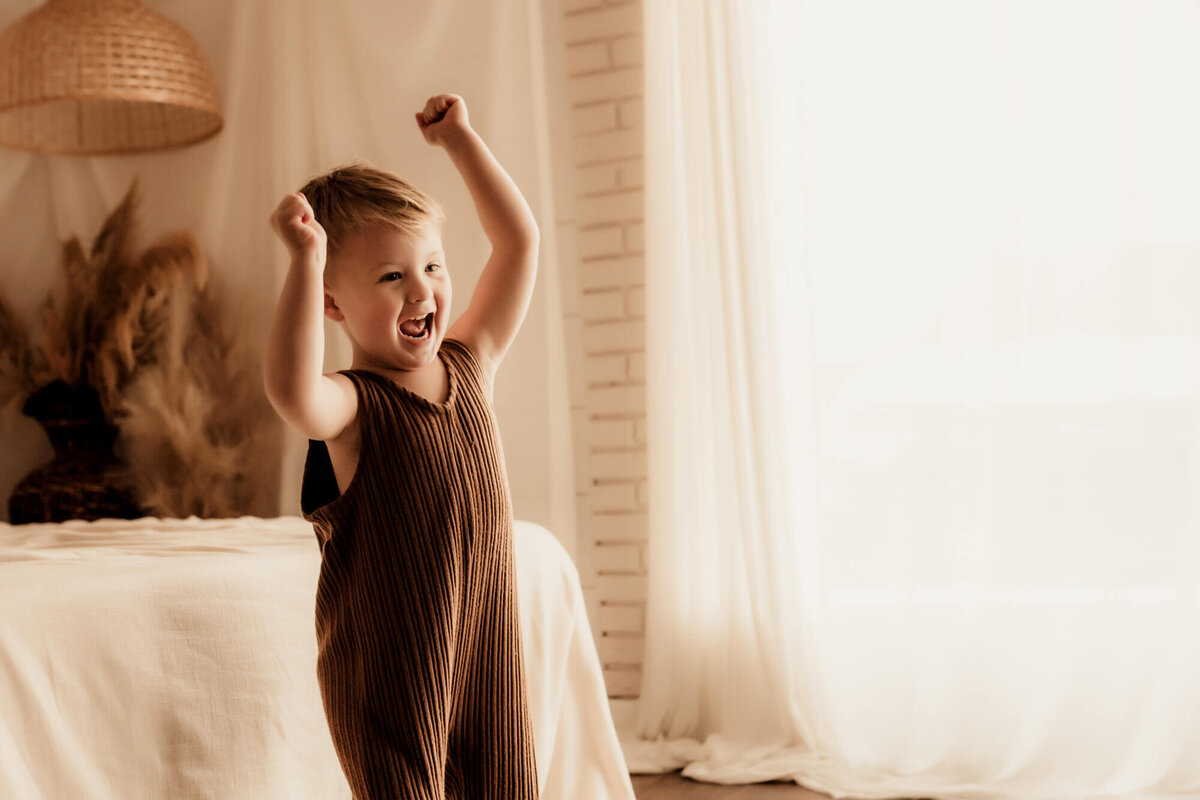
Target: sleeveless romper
x=419 y=655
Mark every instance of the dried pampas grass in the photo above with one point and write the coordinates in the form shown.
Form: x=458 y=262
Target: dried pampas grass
x=135 y=320
x=127 y=317
x=105 y=318
x=192 y=422
x=148 y=333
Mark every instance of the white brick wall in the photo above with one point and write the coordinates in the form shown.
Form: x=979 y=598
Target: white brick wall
x=602 y=46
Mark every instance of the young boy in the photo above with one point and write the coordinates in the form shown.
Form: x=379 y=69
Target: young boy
x=419 y=660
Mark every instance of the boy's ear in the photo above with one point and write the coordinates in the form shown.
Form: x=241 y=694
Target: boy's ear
x=331 y=309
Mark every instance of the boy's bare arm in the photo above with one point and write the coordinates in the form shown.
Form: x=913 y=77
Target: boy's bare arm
x=317 y=405
x=506 y=218
x=501 y=297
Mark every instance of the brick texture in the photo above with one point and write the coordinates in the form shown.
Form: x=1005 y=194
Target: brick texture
x=602 y=46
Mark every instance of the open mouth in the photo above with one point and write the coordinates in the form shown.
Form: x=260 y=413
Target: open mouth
x=417 y=329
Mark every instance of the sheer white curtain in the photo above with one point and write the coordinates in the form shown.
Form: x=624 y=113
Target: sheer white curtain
x=923 y=374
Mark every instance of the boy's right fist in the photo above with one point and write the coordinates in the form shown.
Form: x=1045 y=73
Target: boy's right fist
x=295 y=224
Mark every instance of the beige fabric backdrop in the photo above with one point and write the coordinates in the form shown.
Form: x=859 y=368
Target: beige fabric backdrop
x=307 y=85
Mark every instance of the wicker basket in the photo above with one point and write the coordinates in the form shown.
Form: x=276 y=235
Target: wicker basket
x=103 y=76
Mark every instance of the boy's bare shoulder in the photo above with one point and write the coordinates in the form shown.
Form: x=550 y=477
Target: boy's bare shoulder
x=339 y=407
x=345 y=387
x=319 y=410
x=343 y=381
x=462 y=335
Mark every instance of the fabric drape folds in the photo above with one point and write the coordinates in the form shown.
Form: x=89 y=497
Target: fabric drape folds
x=923 y=376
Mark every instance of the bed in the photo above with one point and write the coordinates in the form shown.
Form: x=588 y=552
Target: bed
x=157 y=658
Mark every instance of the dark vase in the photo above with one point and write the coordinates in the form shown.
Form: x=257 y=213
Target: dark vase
x=76 y=484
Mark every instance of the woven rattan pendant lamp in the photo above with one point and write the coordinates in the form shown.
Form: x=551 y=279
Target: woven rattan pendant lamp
x=103 y=76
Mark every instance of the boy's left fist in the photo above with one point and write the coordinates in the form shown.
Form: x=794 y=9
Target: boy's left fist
x=444 y=116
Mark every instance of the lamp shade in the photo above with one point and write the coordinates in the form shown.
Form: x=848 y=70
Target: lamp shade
x=103 y=76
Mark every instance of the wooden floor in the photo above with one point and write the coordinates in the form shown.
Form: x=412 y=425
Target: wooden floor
x=673 y=786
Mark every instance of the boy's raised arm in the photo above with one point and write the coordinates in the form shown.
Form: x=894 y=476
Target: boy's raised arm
x=309 y=401
x=505 y=216
x=505 y=287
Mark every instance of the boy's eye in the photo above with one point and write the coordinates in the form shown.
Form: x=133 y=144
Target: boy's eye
x=395 y=276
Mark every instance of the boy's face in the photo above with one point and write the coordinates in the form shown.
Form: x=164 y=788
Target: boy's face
x=382 y=278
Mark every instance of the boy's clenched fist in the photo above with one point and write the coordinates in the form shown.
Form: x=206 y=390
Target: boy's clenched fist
x=295 y=224
x=443 y=118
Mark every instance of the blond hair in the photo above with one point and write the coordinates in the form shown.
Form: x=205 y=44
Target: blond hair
x=356 y=196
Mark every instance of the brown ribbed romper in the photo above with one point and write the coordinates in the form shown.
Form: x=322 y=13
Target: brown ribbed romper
x=419 y=658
